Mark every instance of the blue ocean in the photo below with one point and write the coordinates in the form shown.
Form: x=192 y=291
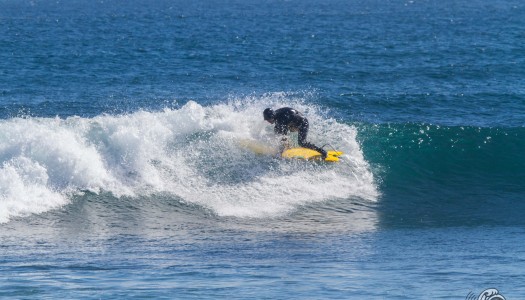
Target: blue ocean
x=123 y=173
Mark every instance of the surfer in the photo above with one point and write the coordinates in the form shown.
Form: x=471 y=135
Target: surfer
x=288 y=119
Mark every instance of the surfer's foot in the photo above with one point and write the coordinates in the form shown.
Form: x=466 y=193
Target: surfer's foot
x=323 y=154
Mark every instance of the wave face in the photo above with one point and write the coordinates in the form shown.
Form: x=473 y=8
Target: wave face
x=416 y=174
x=438 y=174
x=191 y=153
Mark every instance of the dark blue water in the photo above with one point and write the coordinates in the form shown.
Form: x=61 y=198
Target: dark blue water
x=123 y=172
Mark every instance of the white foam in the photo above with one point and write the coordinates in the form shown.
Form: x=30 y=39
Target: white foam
x=23 y=189
x=45 y=161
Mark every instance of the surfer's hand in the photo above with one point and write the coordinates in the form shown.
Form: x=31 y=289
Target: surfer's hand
x=284 y=143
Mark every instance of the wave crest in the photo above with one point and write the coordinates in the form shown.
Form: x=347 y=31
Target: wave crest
x=191 y=153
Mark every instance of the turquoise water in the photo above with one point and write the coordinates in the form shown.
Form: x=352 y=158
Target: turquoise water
x=123 y=173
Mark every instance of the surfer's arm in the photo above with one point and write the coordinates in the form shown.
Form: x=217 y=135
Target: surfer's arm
x=280 y=129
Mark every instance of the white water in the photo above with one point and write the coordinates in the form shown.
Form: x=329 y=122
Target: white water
x=192 y=153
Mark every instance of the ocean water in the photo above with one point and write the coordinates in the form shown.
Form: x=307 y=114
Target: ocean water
x=123 y=173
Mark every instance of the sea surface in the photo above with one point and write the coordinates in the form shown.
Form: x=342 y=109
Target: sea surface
x=123 y=173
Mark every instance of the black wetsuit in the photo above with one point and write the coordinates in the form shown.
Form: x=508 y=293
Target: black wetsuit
x=288 y=119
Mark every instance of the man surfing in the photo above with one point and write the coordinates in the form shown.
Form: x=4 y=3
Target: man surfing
x=288 y=119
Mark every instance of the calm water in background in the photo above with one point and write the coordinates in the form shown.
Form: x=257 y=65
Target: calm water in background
x=123 y=173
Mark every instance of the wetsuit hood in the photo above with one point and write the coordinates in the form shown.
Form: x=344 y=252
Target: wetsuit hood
x=268 y=114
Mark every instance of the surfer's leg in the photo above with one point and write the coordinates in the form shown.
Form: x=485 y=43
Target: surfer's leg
x=303 y=133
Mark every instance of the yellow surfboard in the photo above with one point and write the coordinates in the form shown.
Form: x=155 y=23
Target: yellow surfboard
x=309 y=154
x=291 y=153
x=258 y=147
